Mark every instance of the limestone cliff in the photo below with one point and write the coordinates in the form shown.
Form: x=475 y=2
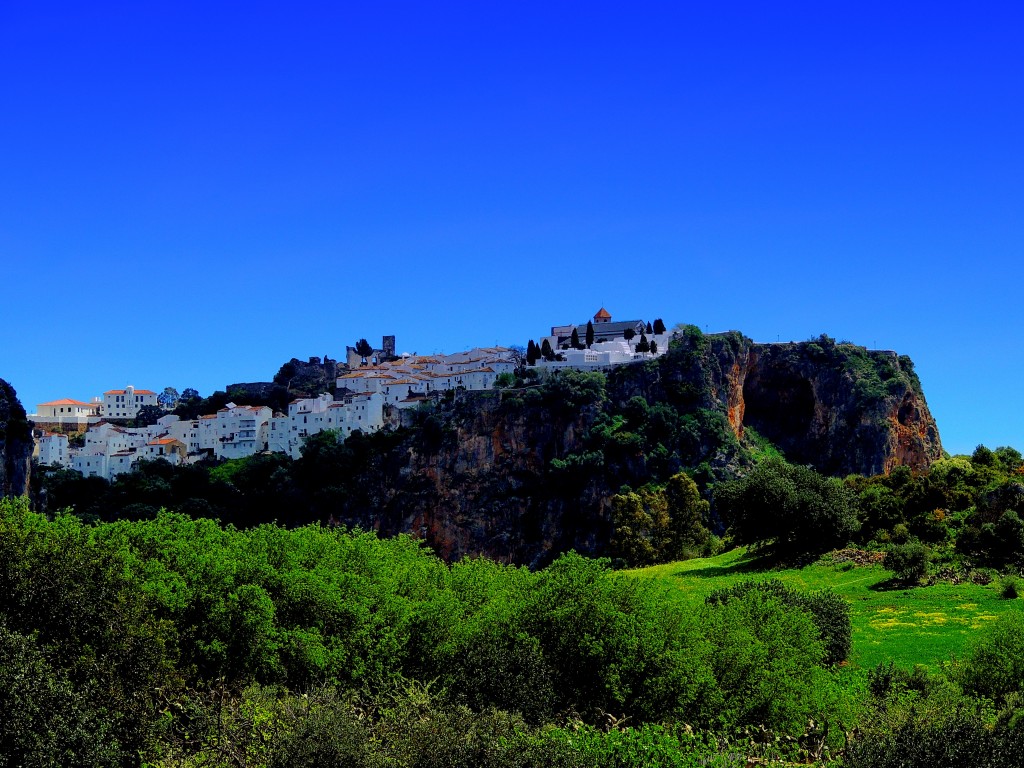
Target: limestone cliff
x=15 y=444
x=838 y=407
x=526 y=474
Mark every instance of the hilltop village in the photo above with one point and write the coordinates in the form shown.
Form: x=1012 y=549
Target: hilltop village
x=97 y=438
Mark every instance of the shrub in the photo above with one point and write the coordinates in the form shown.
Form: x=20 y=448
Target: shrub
x=830 y=613
x=994 y=665
x=908 y=562
x=1009 y=588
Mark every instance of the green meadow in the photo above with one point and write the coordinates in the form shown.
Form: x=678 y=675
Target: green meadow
x=925 y=625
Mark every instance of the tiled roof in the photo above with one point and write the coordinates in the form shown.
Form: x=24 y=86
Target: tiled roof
x=69 y=401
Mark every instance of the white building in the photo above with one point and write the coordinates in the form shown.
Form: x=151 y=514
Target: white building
x=51 y=449
x=411 y=377
x=66 y=413
x=363 y=412
x=241 y=430
x=125 y=403
x=614 y=343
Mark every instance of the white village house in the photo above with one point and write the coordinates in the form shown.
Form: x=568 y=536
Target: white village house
x=362 y=394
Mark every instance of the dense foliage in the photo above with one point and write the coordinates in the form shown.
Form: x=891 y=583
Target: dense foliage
x=117 y=639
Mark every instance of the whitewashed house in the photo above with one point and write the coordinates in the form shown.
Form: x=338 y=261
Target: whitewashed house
x=51 y=449
x=125 y=403
x=65 y=412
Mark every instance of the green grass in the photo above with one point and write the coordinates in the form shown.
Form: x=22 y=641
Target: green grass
x=922 y=625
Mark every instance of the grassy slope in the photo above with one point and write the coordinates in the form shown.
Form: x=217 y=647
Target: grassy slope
x=924 y=625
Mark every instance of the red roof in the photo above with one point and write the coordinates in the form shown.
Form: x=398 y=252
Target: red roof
x=69 y=401
x=603 y=314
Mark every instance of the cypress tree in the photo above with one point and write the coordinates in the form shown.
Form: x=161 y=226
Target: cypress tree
x=532 y=353
x=590 y=334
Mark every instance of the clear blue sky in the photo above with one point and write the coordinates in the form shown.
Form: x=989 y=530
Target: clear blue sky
x=193 y=193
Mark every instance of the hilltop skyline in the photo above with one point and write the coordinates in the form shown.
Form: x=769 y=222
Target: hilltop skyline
x=191 y=196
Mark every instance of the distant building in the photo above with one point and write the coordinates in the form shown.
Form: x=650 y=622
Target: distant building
x=65 y=413
x=125 y=403
x=51 y=449
x=610 y=347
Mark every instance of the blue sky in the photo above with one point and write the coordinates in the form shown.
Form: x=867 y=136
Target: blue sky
x=193 y=193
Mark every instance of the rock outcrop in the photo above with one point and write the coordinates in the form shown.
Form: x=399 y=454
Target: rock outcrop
x=524 y=475
x=15 y=444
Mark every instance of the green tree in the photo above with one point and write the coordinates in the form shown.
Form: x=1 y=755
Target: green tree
x=792 y=510
x=532 y=353
x=643 y=345
x=688 y=514
x=629 y=334
x=590 y=334
x=147 y=415
x=650 y=328
x=574 y=340
x=659 y=326
x=363 y=349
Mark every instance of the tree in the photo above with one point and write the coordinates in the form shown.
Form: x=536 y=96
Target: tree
x=629 y=334
x=659 y=326
x=189 y=394
x=643 y=345
x=147 y=415
x=650 y=329
x=517 y=355
x=688 y=514
x=532 y=353
x=168 y=398
x=654 y=347
x=546 y=351
x=364 y=349
x=791 y=509
x=590 y=334
x=574 y=340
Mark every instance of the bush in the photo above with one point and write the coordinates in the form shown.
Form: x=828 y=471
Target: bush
x=994 y=665
x=908 y=562
x=1009 y=588
x=964 y=742
x=830 y=613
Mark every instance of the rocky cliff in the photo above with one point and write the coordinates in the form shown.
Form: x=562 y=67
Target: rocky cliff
x=15 y=444
x=523 y=474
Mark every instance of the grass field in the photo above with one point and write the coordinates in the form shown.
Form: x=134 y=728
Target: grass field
x=923 y=625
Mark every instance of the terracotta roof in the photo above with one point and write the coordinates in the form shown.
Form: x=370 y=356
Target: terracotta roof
x=163 y=441
x=603 y=313
x=69 y=401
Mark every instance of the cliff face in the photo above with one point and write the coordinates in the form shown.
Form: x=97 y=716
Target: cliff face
x=15 y=444
x=477 y=478
x=524 y=475
x=838 y=408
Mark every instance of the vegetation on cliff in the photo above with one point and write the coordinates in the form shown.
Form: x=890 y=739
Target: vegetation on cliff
x=15 y=443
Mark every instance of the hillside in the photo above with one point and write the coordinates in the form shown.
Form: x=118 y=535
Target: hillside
x=525 y=473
